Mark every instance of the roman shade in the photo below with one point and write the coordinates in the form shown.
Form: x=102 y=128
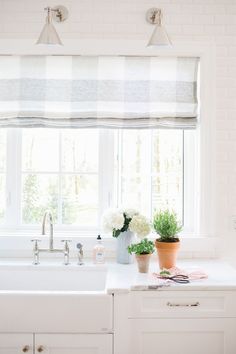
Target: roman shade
x=104 y=91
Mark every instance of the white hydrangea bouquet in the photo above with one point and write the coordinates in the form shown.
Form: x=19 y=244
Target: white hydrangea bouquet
x=121 y=220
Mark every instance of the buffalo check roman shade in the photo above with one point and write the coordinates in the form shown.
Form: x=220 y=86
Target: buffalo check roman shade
x=104 y=91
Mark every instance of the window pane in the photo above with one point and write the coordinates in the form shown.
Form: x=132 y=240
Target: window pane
x=80 y=150
x=167 y=167
x=80 y=200
x=50 y=158
x=134 y=193
x=134 y=147
x=40 y=193
x=167 y=194
x=151 y=170
x=134 y=171
x=40 y=150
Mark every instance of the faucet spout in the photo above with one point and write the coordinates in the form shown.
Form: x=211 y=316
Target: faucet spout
x=48 y=217
x=37 y=250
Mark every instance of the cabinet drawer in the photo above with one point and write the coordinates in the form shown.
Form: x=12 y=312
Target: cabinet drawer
x=181 y=304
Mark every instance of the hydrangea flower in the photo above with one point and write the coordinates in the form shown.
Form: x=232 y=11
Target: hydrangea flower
x=121 y=220
x=140 y=226
x=113 y=219
x=130 y=213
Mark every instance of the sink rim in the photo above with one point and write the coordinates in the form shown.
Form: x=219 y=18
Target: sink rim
x=54 y=267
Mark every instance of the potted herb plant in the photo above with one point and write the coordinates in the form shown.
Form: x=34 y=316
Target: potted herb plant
x=124 y=224
x=143 y=251
x=166 y=224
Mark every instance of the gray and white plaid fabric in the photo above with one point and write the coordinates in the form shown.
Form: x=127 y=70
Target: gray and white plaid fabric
x=104 y=91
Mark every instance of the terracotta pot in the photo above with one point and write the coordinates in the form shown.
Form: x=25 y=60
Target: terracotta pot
x=143 y=261
x=167 y=253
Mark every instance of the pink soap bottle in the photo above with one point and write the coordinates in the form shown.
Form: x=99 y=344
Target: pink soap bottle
x=99 y=252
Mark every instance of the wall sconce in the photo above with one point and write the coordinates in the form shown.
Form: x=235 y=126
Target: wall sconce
x=49 y=34
x=159 y=36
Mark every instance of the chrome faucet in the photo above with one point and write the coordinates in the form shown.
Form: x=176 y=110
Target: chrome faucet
x=48 y=216
x=37 y=250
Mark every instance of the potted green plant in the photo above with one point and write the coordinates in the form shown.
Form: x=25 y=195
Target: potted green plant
x=143 y=251
x=167 y=226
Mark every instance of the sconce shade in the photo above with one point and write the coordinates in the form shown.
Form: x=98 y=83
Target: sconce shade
x=159 y=37
x=49 y=34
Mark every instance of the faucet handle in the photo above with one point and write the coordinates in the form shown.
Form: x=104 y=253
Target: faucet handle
x=66 y=251
x=36 y=241
x=66 y=244
x=36 y=250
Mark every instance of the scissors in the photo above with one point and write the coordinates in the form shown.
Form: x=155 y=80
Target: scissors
x=179 y=278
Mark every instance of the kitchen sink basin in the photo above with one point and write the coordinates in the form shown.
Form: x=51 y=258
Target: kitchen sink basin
x=53 y=278
x=54 y=298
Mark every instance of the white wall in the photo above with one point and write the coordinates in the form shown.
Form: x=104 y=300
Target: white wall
x=212 y=22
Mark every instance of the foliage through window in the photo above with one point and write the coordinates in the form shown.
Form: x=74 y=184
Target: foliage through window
x=78 y=173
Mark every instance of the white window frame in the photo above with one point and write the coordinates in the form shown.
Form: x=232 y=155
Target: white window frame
x=204 y=243
x=14 y=183
x=107 y=181
x=189 y=181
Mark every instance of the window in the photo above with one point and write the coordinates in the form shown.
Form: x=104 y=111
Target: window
x=151 y=169
x=78 y=173
x=156 y=171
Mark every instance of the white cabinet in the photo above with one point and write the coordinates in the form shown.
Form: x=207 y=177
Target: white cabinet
x=182 y=304
x=73 y=343
x=19 y=343
x=16 y=343
x=181 y=336
x=56 y=313
x=175 y=322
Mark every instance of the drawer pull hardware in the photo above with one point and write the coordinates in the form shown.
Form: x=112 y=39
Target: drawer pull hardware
x=40 y=349
x=25 y=349
x=195 y=304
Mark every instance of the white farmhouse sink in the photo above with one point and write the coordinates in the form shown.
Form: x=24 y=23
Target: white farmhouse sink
x=54 y=298
x=53 y=278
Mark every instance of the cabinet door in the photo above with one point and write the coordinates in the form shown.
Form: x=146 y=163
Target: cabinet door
x=186 y=336
x=11 y=343
x=73 y=343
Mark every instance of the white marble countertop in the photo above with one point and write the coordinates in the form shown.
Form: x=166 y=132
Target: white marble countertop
x=125 y=278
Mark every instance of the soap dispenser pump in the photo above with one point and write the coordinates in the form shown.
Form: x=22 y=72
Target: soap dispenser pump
x=99 y=252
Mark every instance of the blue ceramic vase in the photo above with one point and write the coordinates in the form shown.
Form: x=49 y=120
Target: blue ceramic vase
x=122 y=242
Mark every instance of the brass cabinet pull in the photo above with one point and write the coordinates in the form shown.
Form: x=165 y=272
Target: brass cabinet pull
x=40 y=349
x=195 y=304
x=25 y=349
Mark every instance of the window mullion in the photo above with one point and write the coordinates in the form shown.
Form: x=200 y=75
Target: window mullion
x=13 y=178
x=147 y=174
x=59 y=212
x=151 y=210
x=189 y=181
x=106 y=170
